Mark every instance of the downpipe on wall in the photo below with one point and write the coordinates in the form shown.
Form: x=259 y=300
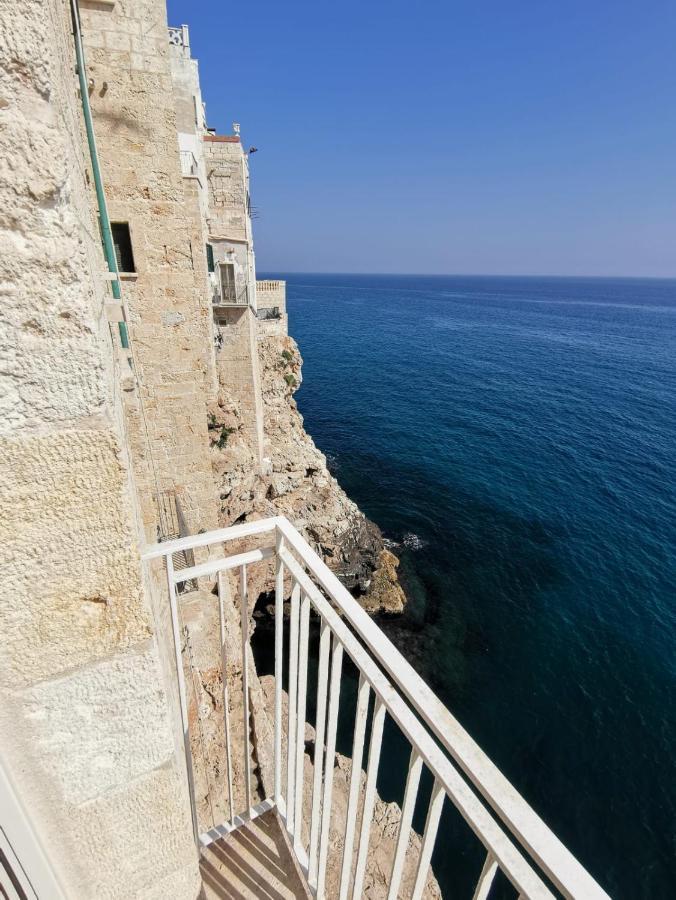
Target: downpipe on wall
x=104 y=219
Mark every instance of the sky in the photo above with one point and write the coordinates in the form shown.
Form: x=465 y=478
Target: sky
x=469 y=137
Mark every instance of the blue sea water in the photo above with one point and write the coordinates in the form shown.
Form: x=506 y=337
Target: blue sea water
x=517 y=436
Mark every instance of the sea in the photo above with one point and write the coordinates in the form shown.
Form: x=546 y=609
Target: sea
x=515 y=439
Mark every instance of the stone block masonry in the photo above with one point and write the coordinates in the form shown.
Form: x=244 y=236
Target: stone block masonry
x=87 y=737
x=272 y=317
x=237 y=362
x=91 y=433
x=171 y=327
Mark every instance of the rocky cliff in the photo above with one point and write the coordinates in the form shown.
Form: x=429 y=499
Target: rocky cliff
x=296 y=482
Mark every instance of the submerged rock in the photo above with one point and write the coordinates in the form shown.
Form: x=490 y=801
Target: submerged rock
x=385 y=594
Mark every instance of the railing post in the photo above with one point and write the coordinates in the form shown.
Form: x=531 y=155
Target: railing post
x=408 y=806
x=291 y=721
x=318 y=761
x=486 y=877
x=332 y=727
x=245 y=684
x=429 y=837
x=226 y=703
x=300 y=720
x=355 y=783
x=279 y=651
x=178 y=656
x=369 y=796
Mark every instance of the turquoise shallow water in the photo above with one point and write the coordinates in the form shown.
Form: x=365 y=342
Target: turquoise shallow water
x=517 y=436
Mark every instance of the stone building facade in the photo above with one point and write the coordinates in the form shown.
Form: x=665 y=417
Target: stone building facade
x=114 y=414
x=93 y=781
x=105 y=442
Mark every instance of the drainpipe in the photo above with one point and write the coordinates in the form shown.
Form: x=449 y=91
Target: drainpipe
x=108 y=247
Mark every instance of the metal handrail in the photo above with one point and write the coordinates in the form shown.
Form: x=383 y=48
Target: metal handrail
x=347 y=628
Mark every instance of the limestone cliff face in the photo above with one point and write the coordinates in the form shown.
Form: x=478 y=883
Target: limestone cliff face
x=297 y=482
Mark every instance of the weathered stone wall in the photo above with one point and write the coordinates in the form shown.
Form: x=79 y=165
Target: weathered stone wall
x=171 y=323
x=237 y=363
x=271 y=295
x=227 y=176
x=85 y=731
x=190 y=115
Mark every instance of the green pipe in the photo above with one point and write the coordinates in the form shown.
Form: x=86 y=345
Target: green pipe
x=108 y=246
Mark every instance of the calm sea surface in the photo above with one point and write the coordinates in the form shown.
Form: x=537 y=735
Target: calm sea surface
x=517 y=436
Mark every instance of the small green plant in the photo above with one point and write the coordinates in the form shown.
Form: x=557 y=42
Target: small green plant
x=223 y=437
x=288 y=355
x=290 y=380
x=223 y=432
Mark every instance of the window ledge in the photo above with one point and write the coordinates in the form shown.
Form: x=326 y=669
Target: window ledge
x=128 y=276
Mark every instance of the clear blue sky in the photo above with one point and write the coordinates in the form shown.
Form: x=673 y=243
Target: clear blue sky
x=450 y=137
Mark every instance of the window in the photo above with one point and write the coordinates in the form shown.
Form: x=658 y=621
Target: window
x=122 y=244
x=210 y=258
x=228 y=289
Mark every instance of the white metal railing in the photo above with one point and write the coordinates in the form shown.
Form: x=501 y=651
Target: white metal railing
x=516 y=842
x=188 y=163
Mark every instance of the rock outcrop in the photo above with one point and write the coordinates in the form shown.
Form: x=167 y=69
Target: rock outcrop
x=384 y=826
x=296 y=482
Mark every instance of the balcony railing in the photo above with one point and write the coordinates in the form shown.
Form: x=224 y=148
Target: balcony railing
x=268 y=285
x=180 y=36
x=231 y=296
x=515 y=840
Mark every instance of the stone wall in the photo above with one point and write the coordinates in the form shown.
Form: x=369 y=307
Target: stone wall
x=85 y=731
x=271 y=296
x=237 y=363
x=227 y=177
x=170 y=311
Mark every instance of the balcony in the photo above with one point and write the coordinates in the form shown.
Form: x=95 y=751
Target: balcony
x=230 y=297
x=295 y=820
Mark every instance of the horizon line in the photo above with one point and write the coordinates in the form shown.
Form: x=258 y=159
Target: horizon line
x=471 y=275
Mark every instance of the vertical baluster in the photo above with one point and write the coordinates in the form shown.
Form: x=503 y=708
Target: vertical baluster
x=291 y=723
x=334 y=700
x=410 y=796
x=226 y=699
x=279 y=651
x=300 y=718
x=485 y=881
x=369 y=796
x=429 y=837
x=245 y=683
x=175 y=627
x=320 y=729
x=355 y=782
